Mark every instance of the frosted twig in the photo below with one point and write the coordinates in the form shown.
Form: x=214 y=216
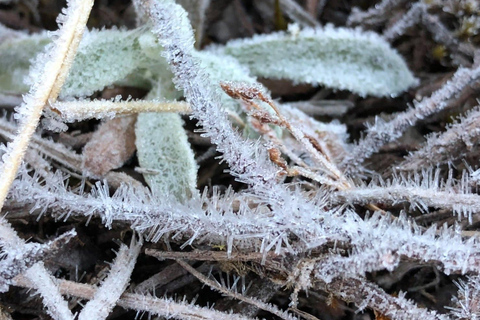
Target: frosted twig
x=382 y=132
x=374 y=15
x=142 y=303
x=408 y=20
x=365 y=294
x=213 y=221
x=417 y=197
x=71 y=111
x=467 y=306
x=248 y=163
x=421 y=190
x=53 y=150
x=44 y=283
x=49 y=72
x=448 y=146
x=418 y=14
x=259 y=304
x=107 y=295
x=17 y=255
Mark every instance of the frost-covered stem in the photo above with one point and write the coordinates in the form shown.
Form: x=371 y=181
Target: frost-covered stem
x=142 y=303
x=448 y=146
x=107 y=295
x=377 y=12
x=17 y=255
x=322 y=179
x=409 y=19
x=382 y=132
x=49 y=148
x=49 y=75
x=258 y=303
x=365 y=294
x=462 y=51
x=213 y=220
x=176 y=36
x=71 y=111
x=418 y=14
x=43 y=282
x=416 y=196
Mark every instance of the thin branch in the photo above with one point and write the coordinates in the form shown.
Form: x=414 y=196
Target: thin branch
x=382 y=132
x=49 y=74
x=79 y=110
x=141 y=303
x=418 y=14
x=376 y=14
x=167 y=275
x=365 y=294
x=112 y=288
x=44 y=283
x=453 y=144
x=259 y=304
x=209 y=255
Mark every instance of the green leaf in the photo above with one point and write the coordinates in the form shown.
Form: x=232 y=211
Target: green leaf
x=163 y=150
x=104 y=57
x=346 y=59
x=15 y=56
x=165 y=155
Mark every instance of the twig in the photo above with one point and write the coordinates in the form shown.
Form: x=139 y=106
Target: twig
x=260 y=304
x=376 y=14
x=365 y=294
x=418 y=14
x=112 y=288
x=385 y=132
x=448 y=146
x=44 y=283
x=71 y=111
x=49 y=74
x=141 y=303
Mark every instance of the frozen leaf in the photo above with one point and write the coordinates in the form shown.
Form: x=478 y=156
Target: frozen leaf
x=340 y=58
x=15 y=56
x=104 y=57
x=165 y=155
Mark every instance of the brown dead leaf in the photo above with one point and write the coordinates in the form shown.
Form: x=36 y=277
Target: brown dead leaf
x=111 y=145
